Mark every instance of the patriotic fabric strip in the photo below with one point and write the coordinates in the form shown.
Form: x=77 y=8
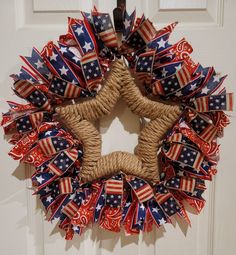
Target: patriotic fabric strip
x=67 y=89
x=29 y=92
x=183 y=154
x=36 y=63
x=222 y=102
x=157 y=213
x=128 y=23
x=91 y=69
x=114 y=191
x=141 y=188
x=103 y=26
x=63 y=161
x=172 y=83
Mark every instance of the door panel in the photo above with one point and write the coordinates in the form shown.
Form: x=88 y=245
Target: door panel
x=209 y=26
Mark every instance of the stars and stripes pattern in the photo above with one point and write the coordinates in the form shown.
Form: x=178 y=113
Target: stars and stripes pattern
x=114 y=191
x=52 y=145
x=181 y=183
x=166 y=200
x=128 y=23
x=63 y=161
x=29 y=122
x=167 y=69
x=141 y=188
x=84 y=37
x=91 y=69
x=103 y=26
x=29 y=92
x=185 y=155
x=223 y=102
x=65 y=185
x=25 y=74
x=38 y=66
x=172 y=83
x=141 y=35
x=156 y=212
x=67 y=89
x=58 y=64
x=203 y=128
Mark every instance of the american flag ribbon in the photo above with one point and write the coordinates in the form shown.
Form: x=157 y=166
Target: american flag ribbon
x=65 y=185
x=184 y=154
x=103 y=26
x=140 y=215
x=99 y=205
x=144 y=66
x=181 y=183
x=141 y=35
x=67 y=89
x=31 y=121
x=29 y=92
x=70 y=209
x=202 y=126
x=58 y=64
x=166 y=200
x=156 y=212
x=114 y=191
x=128 y=23
x=141 y=188
x=38 y=66
x=53 y=145
x=91 y=69
x=63 y=161
x=166 y=69
x=84 y=36
x=159 y=42
x=223 y=102
x=171 y=84
x=25 y=74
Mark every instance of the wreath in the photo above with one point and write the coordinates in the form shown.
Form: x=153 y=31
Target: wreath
x=73 y=83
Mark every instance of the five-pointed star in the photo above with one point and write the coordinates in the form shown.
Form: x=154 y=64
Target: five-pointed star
x=40 y=179
x=162 y=43
x=76 y=59
x=63 y=70
x=205 y=90
x=54 y=56
x=155 y=210
x=87 y=46
x=178 y=67
x=79 y=30
x=164 y=72
x=75 y=228
x=39 y=64
x=216 y=78
x=98 y=207
x=127 y=23
x=162 y=221
x=178 y=94
x=63 y=50
x=47 y=189
x=49 y=75
x=193 y=86
x=49 y=199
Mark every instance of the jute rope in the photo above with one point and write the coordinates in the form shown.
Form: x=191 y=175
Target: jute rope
x=150 y=140
x=141 y=105
x=104 y=102
x=144 y=164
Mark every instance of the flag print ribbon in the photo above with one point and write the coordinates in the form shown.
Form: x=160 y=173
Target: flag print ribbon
x=184 y=154
x=67 y=89
x=223 y=102
x=141 y=188
x=29 y=92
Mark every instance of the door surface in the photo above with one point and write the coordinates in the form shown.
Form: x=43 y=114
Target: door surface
x=209 y=25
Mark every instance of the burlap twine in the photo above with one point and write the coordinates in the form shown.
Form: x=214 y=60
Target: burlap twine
x=145 y=163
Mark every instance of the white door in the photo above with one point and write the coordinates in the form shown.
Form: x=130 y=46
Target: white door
x=209 y=25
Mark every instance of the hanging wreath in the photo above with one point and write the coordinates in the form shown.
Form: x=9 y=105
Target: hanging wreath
x=70 y=84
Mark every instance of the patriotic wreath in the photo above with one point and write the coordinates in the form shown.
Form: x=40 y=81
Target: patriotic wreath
x=69 y=85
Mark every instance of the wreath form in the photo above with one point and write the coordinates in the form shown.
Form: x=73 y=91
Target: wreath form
x=176 y=152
